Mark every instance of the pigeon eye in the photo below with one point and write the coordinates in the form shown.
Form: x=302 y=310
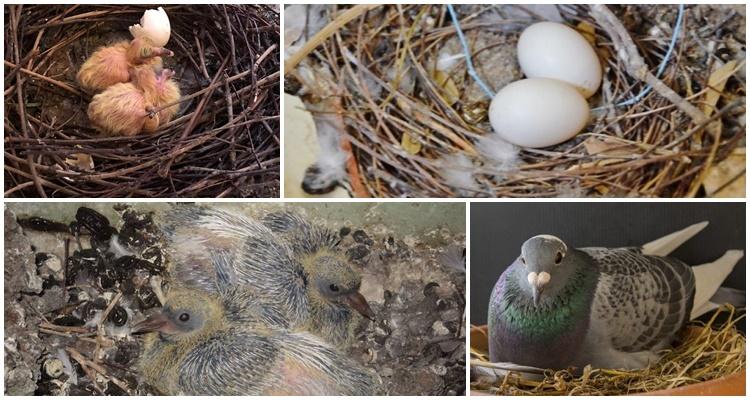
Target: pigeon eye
x=333 y=288
x=523 y=261
x=184 y=317
x=558 y=257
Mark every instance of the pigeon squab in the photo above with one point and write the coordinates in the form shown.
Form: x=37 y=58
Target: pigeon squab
x=300 y=273
x=338 y=284
x=111 y=65
x=127 y=109
x=198 y=347
x=557 y=306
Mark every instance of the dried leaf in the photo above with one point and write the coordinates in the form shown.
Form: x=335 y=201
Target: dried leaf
x=619 y=147
x=727 y=178
x=588 y=31
x=716 y=83
x=81 y=161
x=410 y=143
x=444 y=81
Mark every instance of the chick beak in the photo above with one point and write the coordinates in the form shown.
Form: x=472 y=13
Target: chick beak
x=358 y=302
x=155 y=323
x=162 y=52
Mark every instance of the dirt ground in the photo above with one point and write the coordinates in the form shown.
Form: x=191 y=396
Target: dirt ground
x=68 y=312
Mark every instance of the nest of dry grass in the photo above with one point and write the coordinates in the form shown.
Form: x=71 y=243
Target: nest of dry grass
x=652 y=148
x=706 y=352
x=224 y=142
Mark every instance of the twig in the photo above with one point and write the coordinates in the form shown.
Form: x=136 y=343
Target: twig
x=343 y=19
x=634 y=63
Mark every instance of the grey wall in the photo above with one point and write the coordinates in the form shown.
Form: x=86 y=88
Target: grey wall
x=499 y=229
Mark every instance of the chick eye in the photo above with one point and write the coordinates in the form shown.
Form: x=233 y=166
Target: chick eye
x=333 y=288
x=558 y=257
x=184 y=317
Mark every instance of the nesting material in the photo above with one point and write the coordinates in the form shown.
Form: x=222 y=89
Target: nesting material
x=706 y=352
x=400 y=134
x=222 y=142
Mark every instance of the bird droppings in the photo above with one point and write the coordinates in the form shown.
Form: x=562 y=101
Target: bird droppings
x=85 y=315
x=415 y=344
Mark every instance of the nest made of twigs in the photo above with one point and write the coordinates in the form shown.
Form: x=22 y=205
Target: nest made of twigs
x=651 y=148
x=706 y=351
x=224 y=142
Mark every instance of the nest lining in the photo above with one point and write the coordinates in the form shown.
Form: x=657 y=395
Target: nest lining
x=706 y=352
x=224 y=142
x=649 y=149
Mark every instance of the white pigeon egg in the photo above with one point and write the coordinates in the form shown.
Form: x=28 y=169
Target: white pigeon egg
x=554 y=50
x=538 y=112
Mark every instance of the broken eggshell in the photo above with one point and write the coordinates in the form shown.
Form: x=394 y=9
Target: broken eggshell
x=553 y=50
x=154 y=26
x=538 y=112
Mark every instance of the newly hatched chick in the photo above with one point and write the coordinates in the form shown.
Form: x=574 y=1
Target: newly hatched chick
x=317 y=290
x=111 y=65
x=125 y=109
x=198 y=348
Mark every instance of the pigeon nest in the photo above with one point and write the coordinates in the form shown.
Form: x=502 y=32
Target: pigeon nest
x=70 y=300
x=704 y=352
x=416 y=123
x=224 y=142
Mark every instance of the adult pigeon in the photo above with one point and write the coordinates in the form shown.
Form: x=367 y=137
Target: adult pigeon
x=557 y=306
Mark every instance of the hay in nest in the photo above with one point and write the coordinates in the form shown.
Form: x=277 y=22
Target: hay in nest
x=406 y=123
x=224 y=142
x=707 y=351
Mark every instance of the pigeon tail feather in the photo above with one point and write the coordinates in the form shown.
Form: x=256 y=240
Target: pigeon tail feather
x=708 y=278
x=667 y=244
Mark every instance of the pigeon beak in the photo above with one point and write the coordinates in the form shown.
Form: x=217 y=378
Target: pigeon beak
x=536 y=292
x=155 y=323
x=538 y=281
x=358 y=302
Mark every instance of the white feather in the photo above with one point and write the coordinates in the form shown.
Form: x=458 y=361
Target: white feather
x=118 y=249
x=498 y=154
x=332 y=158
x=67 y=367
x=458 y=172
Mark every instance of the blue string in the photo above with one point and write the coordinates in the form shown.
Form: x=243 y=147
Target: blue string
x=467 y=54
x=662 y=66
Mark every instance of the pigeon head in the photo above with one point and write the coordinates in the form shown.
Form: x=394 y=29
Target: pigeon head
x=336 y=282
x=546 y=266
x=186 y=314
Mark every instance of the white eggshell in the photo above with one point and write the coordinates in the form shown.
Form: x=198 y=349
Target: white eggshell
x=553 y=50
x=538 y=112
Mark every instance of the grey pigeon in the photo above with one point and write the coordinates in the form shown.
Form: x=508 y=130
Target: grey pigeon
x=557 y=306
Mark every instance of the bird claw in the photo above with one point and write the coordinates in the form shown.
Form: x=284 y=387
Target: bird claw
x=150 y=111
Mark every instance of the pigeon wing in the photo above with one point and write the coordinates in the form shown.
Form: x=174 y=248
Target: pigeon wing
x=211 y=249
x=229 y=363
x=641 y=301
